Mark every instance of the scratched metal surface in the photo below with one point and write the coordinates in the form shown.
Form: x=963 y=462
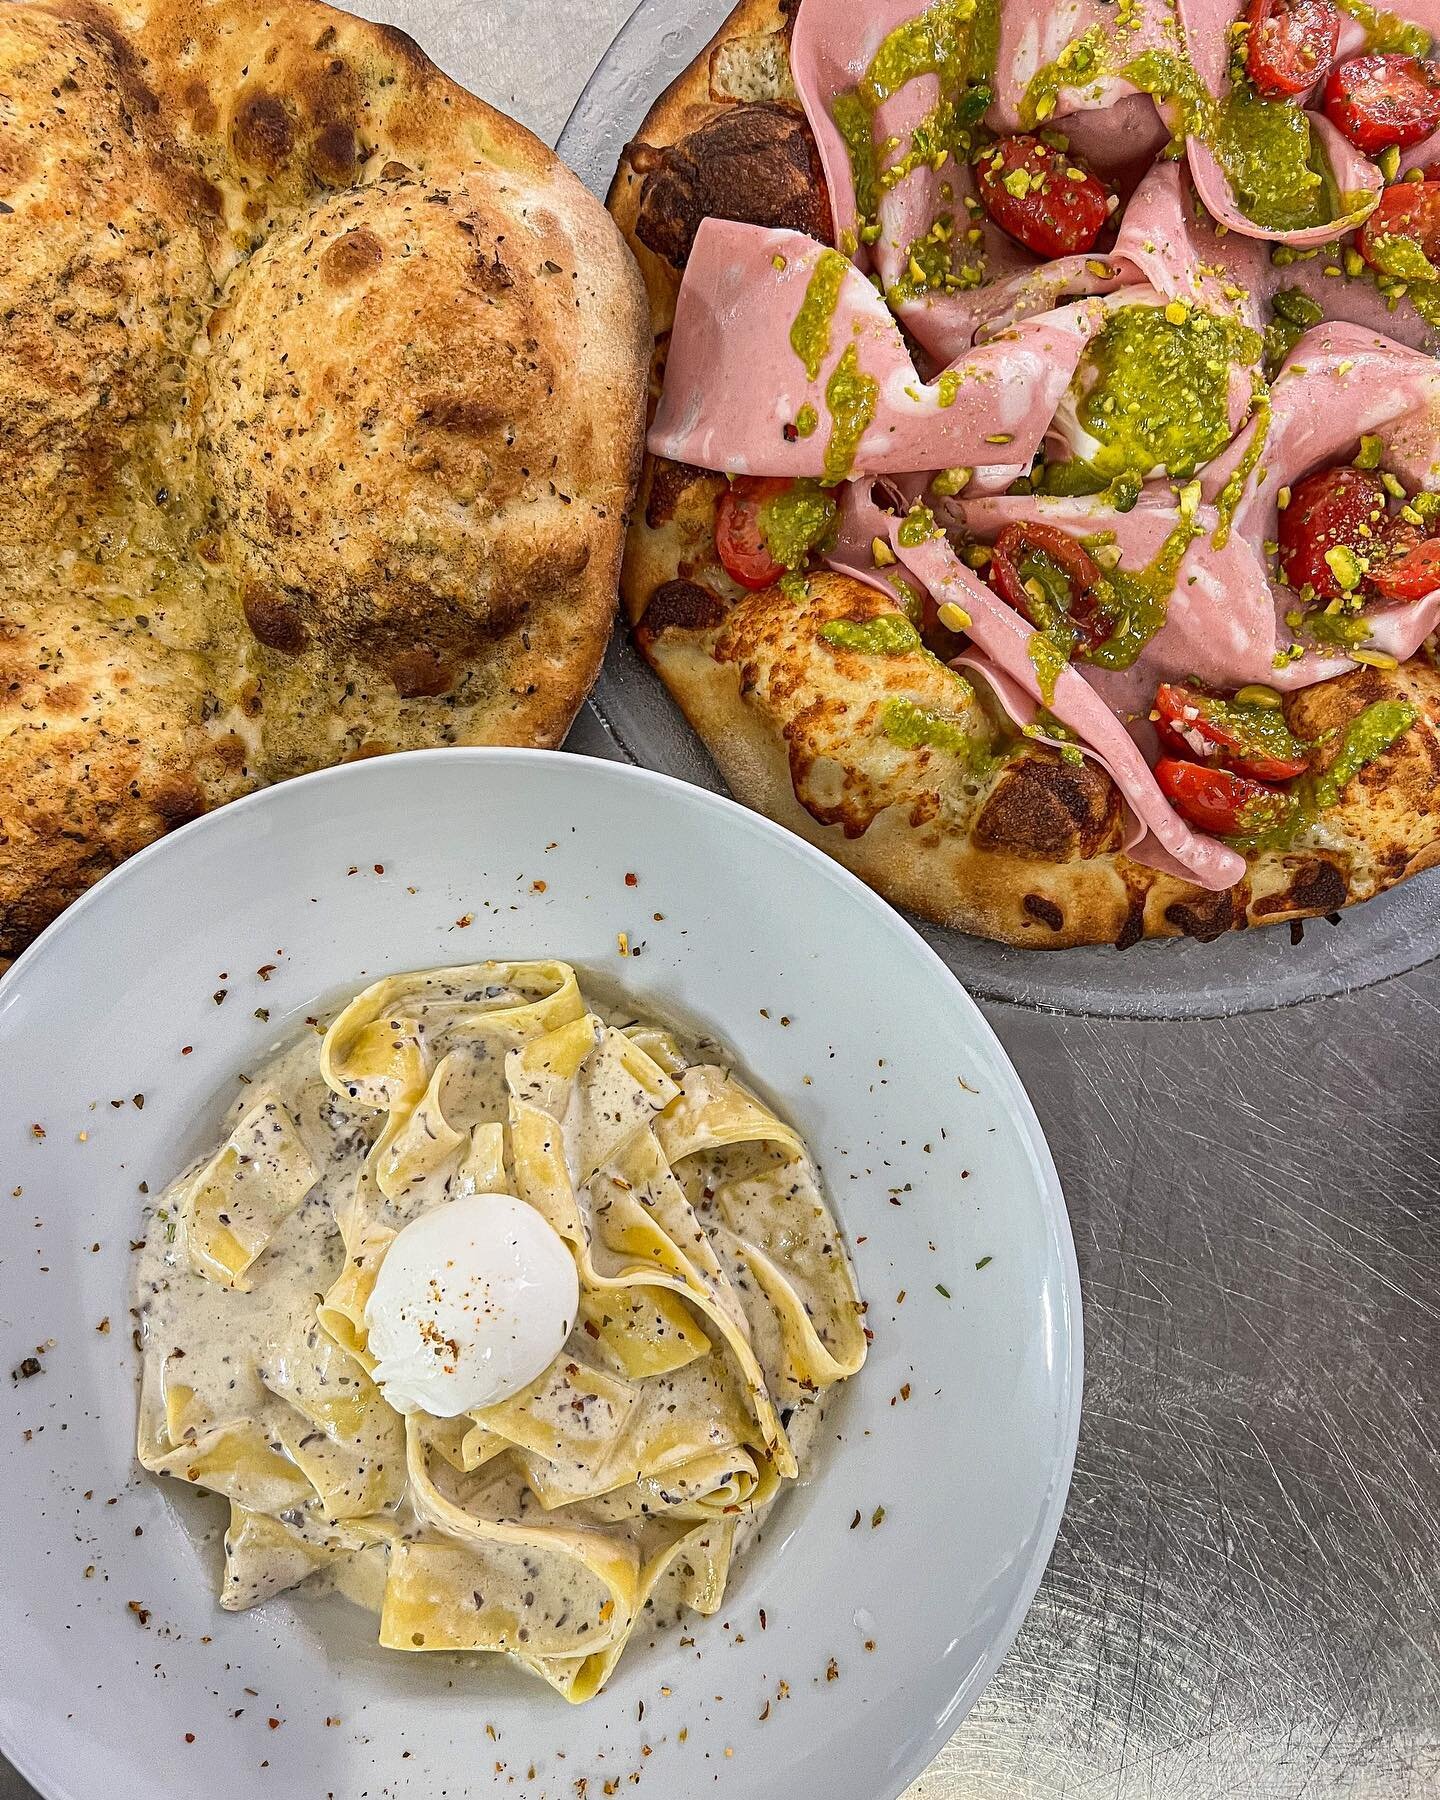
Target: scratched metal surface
x=1243 y=1601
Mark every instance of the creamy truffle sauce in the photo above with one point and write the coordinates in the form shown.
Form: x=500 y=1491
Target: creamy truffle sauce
x=237 y=1356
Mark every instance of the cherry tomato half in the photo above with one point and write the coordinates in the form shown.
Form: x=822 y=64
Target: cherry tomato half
x=1066 y=571
x=739 y=541
x=1411 y=567
x=1043 y=198
x=1411 y=210
x=1247 y=740
x=1341 y=506
x=1291 y=45
x=1383 y=99
x=1218 y=801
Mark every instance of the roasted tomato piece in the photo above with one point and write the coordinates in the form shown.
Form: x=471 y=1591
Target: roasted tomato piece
x=1410 y=568
x=1341 y=507
x=1408 y=215
x=1383 y=99
x=739 y=540
x=1043 y=198
x=1219 y=801
x=1025 y=558
x=1291 y=44
x=1248 y=739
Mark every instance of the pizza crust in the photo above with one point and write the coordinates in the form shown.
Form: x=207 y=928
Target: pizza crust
x=320 y=415
x=1028 y=858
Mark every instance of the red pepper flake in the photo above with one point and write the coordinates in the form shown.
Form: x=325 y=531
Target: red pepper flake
x=104 y=1326
x=189 y=1737
x=219 y=996
x=538 y=887
x=465 y=921
x=379 y=868
x=142 y=1613
x=274 y=1724
x=37 y=1131
x=265 y=971
x=832 y=1670
x=632 y=879
x=187 y=1049
x=869 y=1643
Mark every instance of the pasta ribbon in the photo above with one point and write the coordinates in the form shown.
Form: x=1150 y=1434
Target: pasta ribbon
x=243 y=1195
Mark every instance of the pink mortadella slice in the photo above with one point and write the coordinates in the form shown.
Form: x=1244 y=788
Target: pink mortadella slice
x=1004 y=638
x=783 y=360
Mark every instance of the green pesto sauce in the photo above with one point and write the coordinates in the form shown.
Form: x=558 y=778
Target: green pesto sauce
x=796 y=522
x=910 y=602
x=917 y=528
x=888 y=634
x=1233 y=491
x=855 y=123
x=935 y=43
x=1279 y=173
x=1293 y=314
x=1081 y=61
x=1386 y=31
x=1139 y=599
x=850 y=396
x=810 y=333
x=914 y=727
x=1341 y=630
x=806 y=420
x=1399 y=257
x=1368 y=735
x=1156 y=394
x=1051 y=656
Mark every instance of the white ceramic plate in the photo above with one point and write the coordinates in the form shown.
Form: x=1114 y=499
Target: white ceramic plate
x=113 y=1653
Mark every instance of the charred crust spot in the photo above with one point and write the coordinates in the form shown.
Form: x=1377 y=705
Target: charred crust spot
x=669 y=483
x=1315 y=887
x=1046 y=911
x=336 y=155
x=263 y=134
x=1203 y=916
x=1133 y=928
x=459 y=413
x=275 y=621
x=178 y=799
x=754 y=163
x=351 y=257
x=680 y=606
x=419 y=674
x=1044 y=807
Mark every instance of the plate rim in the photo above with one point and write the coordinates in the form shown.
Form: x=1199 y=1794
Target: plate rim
x=1013 y=1098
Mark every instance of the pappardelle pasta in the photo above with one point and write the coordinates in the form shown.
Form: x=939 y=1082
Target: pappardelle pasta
x=651 y=1381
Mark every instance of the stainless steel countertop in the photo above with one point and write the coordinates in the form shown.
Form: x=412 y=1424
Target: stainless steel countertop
x=1243 y=1601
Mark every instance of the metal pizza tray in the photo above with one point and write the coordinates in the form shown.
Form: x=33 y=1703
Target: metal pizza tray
x=1245 y=971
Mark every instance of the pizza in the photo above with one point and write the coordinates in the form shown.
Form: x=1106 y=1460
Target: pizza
x=1041 y=510
x=321 y=406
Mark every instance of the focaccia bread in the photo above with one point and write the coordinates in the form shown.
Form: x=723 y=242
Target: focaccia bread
x=320 y=413
x=976 y=807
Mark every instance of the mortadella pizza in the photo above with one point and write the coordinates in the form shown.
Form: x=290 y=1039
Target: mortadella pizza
x=1042 y=506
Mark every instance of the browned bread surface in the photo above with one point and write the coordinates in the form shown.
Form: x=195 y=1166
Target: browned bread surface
x=321 y=402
